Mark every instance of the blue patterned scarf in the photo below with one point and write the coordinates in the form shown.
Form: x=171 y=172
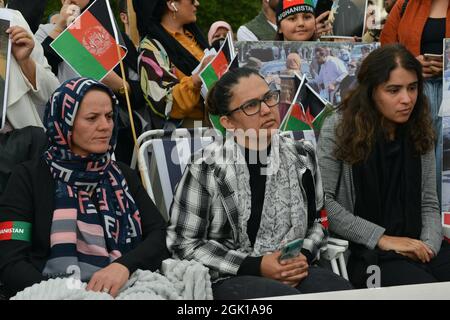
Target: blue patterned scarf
x=88 y=232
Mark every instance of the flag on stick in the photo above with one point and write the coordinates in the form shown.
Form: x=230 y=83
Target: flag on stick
x=89 y=45
x=308 y=110
x=220 y=64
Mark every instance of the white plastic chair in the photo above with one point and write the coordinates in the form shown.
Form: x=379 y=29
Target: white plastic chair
x=162 y=162
x=160 y=133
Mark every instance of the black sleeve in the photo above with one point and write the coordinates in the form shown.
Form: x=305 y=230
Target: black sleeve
x=31 y=10
x=16 y=204
x=137 y=100
x=52 y=57
x=152 y=250
x=251 y=266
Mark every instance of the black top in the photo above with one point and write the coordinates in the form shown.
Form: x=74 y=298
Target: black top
x=29 y=197
x=392 y=193
x=432 y=35
x=256 y=162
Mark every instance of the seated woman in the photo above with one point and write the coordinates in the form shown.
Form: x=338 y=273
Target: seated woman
x=377 y=161
x=296 y=21
x=171 y=49
x=233 y=211
x=74 y=211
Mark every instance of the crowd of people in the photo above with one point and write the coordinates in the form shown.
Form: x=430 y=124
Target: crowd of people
x=70 y=206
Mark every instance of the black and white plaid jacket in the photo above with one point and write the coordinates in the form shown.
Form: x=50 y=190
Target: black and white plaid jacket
x=205 y=212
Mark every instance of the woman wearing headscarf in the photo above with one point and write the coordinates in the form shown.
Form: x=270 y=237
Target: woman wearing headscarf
x=74 y=212
x=172 y=47
x=217 y=33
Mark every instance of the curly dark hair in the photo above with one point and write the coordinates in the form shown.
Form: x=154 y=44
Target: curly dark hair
x=361 y=121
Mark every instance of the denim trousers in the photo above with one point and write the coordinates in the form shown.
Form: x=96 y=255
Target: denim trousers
x=433 y=91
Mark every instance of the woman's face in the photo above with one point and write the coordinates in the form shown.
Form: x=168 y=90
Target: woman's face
x=187 y=10
x=246 y=90
x=93 y=125
x=81 y=3
x=221 y=33
x=298 y=27
x=396 y=98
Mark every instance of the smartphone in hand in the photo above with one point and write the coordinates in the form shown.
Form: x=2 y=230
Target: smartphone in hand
x=431 y=56
x=291 y=249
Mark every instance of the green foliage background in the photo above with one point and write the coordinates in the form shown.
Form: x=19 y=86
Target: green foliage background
x=235 y=12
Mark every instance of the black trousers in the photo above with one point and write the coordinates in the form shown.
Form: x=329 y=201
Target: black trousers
x=407 y=271
x=252 y=287
x=399 y=270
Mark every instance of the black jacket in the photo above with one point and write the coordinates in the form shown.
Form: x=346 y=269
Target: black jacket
x=18 y=146
x=29 y=197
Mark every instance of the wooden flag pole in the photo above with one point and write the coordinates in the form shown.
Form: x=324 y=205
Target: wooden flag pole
x=122 y=71
x=127 y=98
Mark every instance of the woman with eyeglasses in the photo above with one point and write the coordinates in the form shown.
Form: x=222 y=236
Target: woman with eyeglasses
x=243 y=199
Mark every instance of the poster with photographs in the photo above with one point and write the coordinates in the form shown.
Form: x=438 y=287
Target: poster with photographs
x=5 y=53
x=446 y=175
x=347 y=17
x=330 y=67
x=445 y=106
x=376 y=15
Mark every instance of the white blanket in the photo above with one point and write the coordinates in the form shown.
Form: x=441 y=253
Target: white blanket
x=180 y=280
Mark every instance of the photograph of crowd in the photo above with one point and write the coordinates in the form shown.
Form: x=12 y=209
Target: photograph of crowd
x=445 y=108
x=330 y=67
x=4 y=52
x=446 y=164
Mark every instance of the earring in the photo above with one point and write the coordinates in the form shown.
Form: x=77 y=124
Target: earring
x=174 y=15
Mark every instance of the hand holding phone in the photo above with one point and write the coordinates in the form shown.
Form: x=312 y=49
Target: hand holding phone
x=291 y=249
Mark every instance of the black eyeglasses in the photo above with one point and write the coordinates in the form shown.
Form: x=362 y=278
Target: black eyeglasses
x=270 y=99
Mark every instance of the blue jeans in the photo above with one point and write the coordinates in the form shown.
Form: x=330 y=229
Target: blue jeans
x=433 y=90
x=252 y=287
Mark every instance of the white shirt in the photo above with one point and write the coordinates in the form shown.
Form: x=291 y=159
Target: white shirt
x=22 y=97
x=244 y=34
x=332 y=71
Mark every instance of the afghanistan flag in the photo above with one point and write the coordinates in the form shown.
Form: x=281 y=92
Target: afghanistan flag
x=225 y=60
x=15 y=230
x=89 y=44
x=446 y=225
x=308 y=110
x=220 y=64
x=295 y=119
x=316 y=109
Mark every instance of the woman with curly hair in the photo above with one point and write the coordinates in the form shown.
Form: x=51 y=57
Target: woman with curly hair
x=376 y=155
